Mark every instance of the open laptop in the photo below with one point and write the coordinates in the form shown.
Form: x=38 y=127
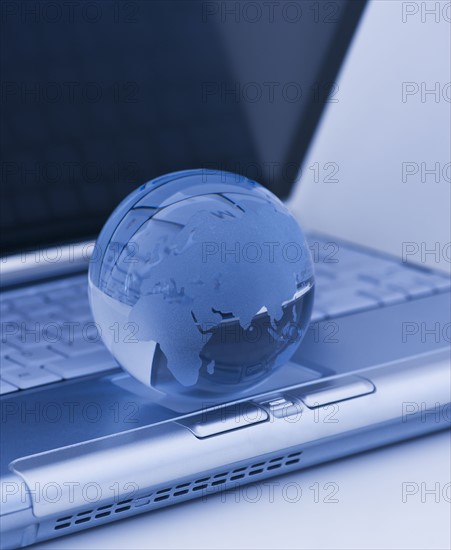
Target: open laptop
x=82 y=443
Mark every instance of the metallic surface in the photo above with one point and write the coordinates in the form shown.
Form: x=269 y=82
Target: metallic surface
x=133 y=446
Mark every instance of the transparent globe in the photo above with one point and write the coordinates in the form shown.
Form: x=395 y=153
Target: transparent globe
x=201 y=283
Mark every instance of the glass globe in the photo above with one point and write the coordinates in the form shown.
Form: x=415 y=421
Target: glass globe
x=201 y=283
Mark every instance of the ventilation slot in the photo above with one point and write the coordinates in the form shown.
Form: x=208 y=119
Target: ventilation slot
x=186 y=489
x=88 y=515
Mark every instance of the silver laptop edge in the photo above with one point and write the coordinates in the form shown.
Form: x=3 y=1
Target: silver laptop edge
x=211 y=450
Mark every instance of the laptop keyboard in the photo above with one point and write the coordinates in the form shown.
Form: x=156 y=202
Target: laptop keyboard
x=350 y=280
x=48 y=334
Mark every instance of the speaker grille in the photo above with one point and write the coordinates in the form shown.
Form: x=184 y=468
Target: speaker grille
x=185 y=490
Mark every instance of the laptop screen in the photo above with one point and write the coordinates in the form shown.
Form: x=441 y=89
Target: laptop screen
x=101 y=97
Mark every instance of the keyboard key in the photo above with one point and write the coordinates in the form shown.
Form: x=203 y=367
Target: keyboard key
x=343 y=283
x=70 y=332
x=31 y=302
x=6 y=364
x=439 y=283
x=45 y=312
x=6 y=387
x=12 y=318
x=5 y=307
x=56 y=330
x=346 y=302
x=60 y=295
x=26 y=341
x=369 y=278
x=350 y=260
x=29 y=377
x=79 y=313
x=35 y=357
x=323 y=274
x=405 y=279
x=88 y=363
x=6 y=349
x=412 y=289
x=79 y=347
x=385 y=296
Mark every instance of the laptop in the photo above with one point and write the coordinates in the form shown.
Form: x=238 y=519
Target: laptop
x=95 y=104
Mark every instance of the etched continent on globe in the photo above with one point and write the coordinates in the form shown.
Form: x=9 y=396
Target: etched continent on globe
x=202 y=283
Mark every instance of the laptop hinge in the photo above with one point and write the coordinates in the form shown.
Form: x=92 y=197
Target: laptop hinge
x=44 y=263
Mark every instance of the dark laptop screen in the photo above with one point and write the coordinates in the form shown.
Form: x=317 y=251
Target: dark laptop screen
x=99 y=97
